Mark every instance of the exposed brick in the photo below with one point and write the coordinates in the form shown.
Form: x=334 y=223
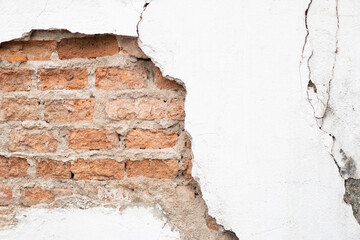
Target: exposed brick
x=92 y=139
x=155 y=139
x=12 y=109
x=121 y=109
x=69 y=110
x=13 y=167
x=188 y=168
x=15 y=80
x=22 y=51
x=33 y=196
x=151 y=108
x=53 y=169
x=98 y=169
x=130 y=47
x=88 y=47
x=120 y=78
x=165 y=83
x=131 y=109
x=211 y=224
x=152 y=168
x=62 y=78
x=175 y=109
x=187 y=141
x=32 y=141
x=5 y=196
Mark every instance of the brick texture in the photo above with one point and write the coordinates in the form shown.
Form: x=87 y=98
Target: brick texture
x=99 y=169
x=153 y=139
x=32 y=141
x=13 y=167
x=15 y=80
x=175 y=109
x=22 y=51
x=92 y=139
x=53 y=169
x=69 y=110
x=63 y=78
x=164 y=83
x=19 y=109
x=88 y=47
x=113 y=78
x=130 y=47
x=152 y=168
x=5 y=196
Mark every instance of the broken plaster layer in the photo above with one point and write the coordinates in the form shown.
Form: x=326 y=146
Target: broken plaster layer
x=342 y=118
x=262 y=162
x=96 y=223
x=259 y=155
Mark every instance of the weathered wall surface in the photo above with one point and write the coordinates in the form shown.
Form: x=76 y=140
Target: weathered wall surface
x=259 y=77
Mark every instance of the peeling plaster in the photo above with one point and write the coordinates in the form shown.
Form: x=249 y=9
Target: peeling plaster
x=261 y=160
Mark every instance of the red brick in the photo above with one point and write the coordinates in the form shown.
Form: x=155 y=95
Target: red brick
x=152 y=168
x=19 y=109
x=211 y=224
x=188 y=169
x=165 y=83
x=98 y=169
x=92 y=139
x=32 y=141
x=15 y=80
x=13 y=167
x=88 y=47
x=53 y=169
x=5 y=196
x=69 y=110
x=129 y=46
x=115 y=78
x=62 y=78
x=33 y=196
x=175 y=109
x=153 y=139
x=121 y=109
x=22 y=51
x=151 y=108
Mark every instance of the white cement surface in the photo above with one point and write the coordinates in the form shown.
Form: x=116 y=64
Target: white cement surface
x=93 y=224
x=260 y=158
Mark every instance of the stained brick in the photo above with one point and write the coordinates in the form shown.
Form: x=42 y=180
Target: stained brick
x=32 y=141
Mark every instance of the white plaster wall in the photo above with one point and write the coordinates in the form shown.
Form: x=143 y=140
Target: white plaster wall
x=97 y=223
x=261 y=160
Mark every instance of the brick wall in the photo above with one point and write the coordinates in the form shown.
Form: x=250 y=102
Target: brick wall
x=89 y=120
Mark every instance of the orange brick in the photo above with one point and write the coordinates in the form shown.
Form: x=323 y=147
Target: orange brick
x=22 y=51
x=187 y=141
x=19 y=109
x=130 y=47
x=152 y=168
x=99 y=169
x=211 y=224
x=62 y=78
x=88 y=47
x=121 y=109
x=175 y=109
x=165 y=83
x=5 y=196
x=154 y=139
x=32 y=141
x=151 y=108
x=33 y=196
x=188 y=168
x=108 y=78
x=53 y=169
x=15 y=80
x=13 y=167
x=92 y=139
x=69 y=110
